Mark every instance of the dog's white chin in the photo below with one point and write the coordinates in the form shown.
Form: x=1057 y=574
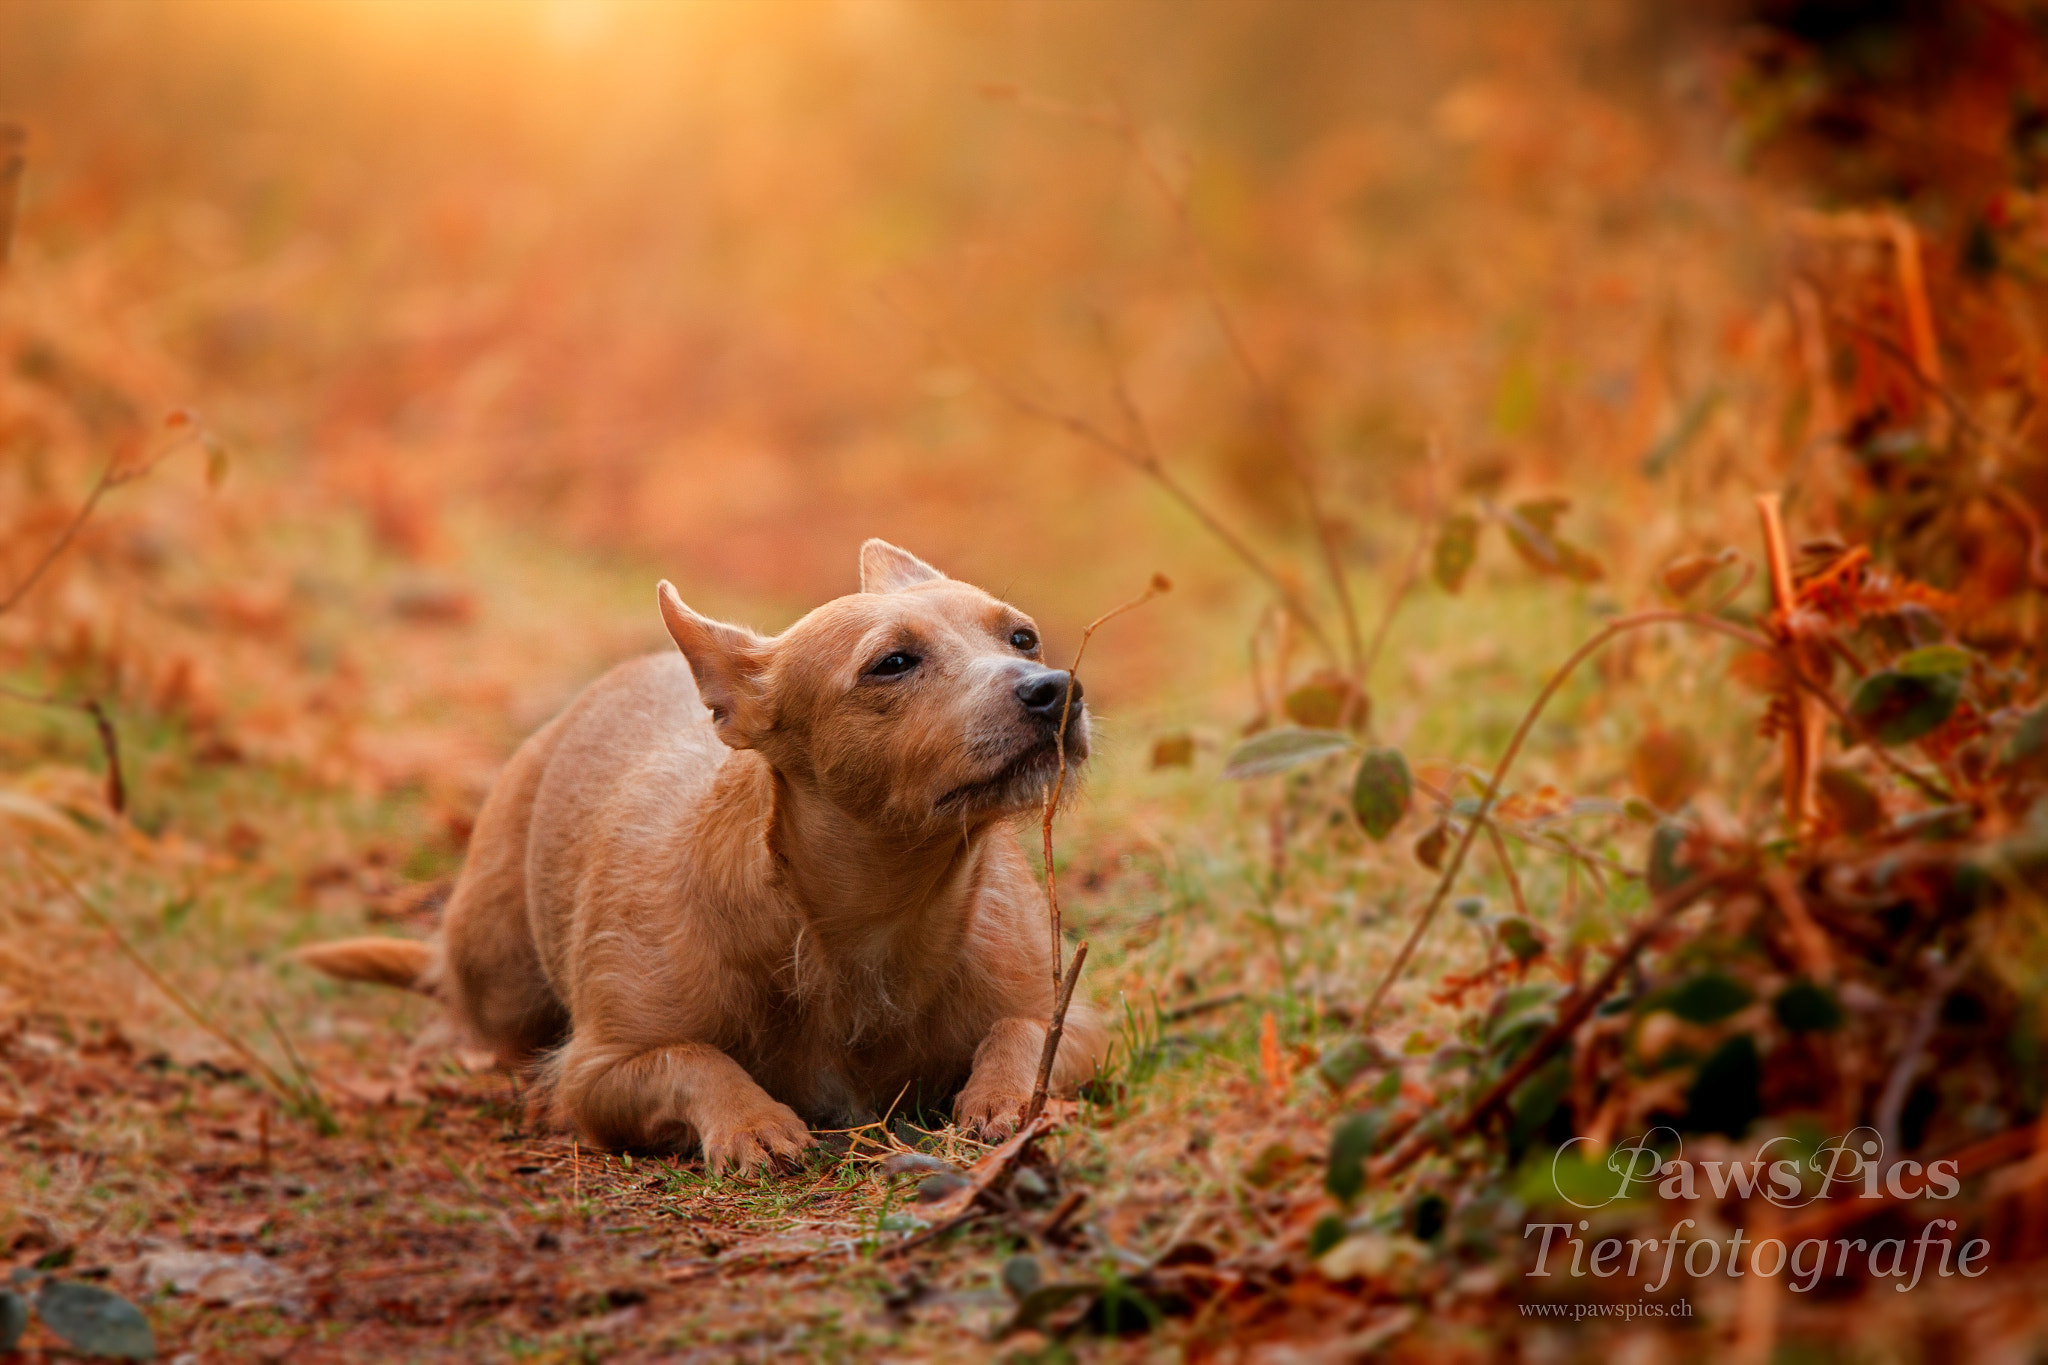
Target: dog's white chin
x=1020 y=784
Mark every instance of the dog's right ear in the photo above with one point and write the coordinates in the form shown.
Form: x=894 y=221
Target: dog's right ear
x=889 y=568
x=727 y=662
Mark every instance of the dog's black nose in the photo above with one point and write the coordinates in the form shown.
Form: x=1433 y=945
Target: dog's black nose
x=1044 y=693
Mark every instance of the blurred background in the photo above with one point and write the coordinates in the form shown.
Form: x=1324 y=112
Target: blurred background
x=716 y=290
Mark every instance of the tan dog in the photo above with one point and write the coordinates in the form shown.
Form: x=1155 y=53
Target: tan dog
x=773 y=884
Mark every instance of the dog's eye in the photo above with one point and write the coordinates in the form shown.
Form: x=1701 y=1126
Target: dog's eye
x=1024 y=639
x=891 y=665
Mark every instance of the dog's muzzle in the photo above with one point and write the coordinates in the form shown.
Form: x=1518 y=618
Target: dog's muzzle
x=1051 y=694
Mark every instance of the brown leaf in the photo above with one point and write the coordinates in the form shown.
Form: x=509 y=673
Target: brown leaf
x=1173 y=751
x=1683 y=576
x=1667 y=767
x=1528 y=526
x=1321 y=702
x=1457 y=546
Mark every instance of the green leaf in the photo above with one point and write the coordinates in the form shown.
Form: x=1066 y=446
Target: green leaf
x=1520 y=938
x=1328 y=1231
x=1723 y=1098
x=1707 y=998
x=94 y=1321
x=1278 y=750
x=1427 y=1217
x=1932 y=661
x=1382 y=791
x=1897 y=708
x=1350 y=1144
x=1666 y=844
x=1274 y=1160
x=1342 y=1063
x=13 y=1319
x=2029 y=738
x=1804 y=1007
x=1022 y=1276
x=1536 y=1099
x=1043 y=1302
x=1457 y=547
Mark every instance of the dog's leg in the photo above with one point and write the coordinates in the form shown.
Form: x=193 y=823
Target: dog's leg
x=663 y=1095
x=1006 y=1069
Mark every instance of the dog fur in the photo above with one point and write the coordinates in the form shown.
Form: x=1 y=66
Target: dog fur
x=762 y=881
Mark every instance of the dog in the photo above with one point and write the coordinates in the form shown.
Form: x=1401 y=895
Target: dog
x=763 y=883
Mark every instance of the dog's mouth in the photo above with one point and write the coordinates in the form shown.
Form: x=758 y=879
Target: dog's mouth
x=1017 y=783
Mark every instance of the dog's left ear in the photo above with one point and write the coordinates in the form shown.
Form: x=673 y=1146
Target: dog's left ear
x=885 y=568
x=727 y=662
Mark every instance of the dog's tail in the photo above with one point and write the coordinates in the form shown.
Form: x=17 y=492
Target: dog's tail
x=403 y=962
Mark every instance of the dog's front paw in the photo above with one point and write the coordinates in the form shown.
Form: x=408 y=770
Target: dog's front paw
x=759 y=1139
x=990 y=1113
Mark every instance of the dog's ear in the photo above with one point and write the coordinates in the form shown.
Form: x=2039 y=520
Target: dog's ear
x=727 y=662
x=884 y=568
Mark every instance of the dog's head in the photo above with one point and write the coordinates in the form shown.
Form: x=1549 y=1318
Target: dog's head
x=916 y=701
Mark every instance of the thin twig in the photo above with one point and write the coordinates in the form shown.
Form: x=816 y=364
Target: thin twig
x=1054 y=1030
x=1507 y=867
x=1141 y=455
x=1118 y=121
x=176 y=996
x=1411 y=572
x=1477 y=819
x=111 y=477
x=1159 y=584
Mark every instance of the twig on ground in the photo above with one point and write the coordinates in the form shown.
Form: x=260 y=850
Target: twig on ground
x=961 y=1205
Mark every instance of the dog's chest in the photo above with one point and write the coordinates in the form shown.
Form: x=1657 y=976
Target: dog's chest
x=841 y=1062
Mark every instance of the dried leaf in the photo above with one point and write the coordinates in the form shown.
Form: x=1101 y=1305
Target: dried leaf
x=95 y=1321
x=1173 y=751
x=1683 y=576
x=1382 y=791
x=1322 y=702
x=1457 y=547
x=1849 y=801
x=1667 y=767
x=216 y=463
x=1429 y=849
x=1278 y=750
x=1528 y=528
